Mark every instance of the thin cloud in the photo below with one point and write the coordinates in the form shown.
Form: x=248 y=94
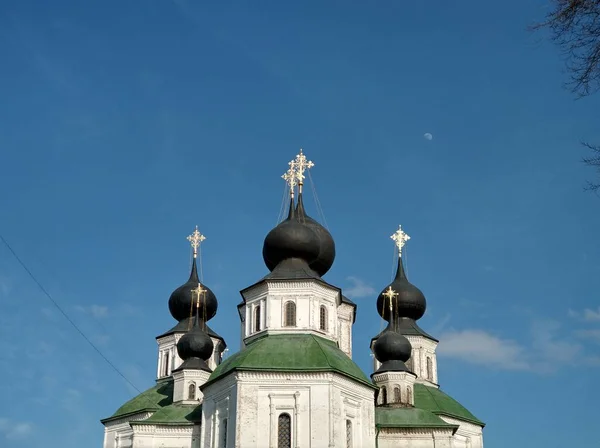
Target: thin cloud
x=96 y=311
x=359 y=289
x=480 y=347
x=547 y=351
x=593 y=335
x=15 y=430
x=587 y=314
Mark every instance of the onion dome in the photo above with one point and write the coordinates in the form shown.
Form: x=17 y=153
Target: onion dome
x=409 y=302
x=195 y=347
x=180 y=302
x=290 y=239
x=392 y=350
x=326 y=256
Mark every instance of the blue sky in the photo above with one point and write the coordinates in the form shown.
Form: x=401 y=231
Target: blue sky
x=124 y=124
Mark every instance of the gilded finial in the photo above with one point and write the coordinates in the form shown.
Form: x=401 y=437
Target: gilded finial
x=291 y=179
x=400 y=237
x=299 y=165
x=390 y=294
x=195 y=239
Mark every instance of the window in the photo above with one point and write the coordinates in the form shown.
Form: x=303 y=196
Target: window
x=223 y=433
x=348 y=434
x=397 y=397
x=289 y=318
x=408 y=395
x=429 y=369
x=383 y=395
x=323 y=318
x=166 y=364
x=257 y=318
x=192 y=391
x=284 y=431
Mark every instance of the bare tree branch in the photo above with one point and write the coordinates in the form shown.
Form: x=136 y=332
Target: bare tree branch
x=593 y=161
x=574 y=26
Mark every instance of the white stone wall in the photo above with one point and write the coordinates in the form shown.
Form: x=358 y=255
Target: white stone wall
x=422 y=350
x=319 y=405
x=309 y=296
x=415 y=438
x=403 y=382
x=118 y=433
x=468 y=435
x=182 y=379
x=165 y=436
x=169 y=360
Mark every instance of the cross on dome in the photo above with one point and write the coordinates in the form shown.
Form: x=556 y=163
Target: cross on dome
x=195 y=239
x=390 y=294
x=198 y=292
x=290 y=178
x=299 y=165
x=400 y=237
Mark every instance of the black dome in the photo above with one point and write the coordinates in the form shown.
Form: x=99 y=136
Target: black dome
x=290 y=239
x=195 y=344
x=392 y=346
x=180 y=302
x=326 y=256
x=410 y=301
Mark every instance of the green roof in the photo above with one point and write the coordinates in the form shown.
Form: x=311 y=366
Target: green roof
x=156 y=397
x=174 y=414
x=291 y=353
x=434 y=400
x=400 y=417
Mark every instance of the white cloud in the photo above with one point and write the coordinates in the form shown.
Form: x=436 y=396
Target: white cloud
x=359 y=289
x=480 y=347
x=96 y=311
x=589 y=334
x=14 y=430
x=548 y=349
x=587 y=314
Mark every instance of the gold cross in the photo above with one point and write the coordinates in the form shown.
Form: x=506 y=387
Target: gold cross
x=195 y=239
x=400 y=237
x=390 y=294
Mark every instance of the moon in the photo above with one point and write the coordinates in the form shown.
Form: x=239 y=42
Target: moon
x=428 y=136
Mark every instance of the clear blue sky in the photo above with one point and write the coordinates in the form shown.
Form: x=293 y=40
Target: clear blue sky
x=125 y=123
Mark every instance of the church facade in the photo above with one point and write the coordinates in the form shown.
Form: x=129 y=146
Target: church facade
x=293 y=383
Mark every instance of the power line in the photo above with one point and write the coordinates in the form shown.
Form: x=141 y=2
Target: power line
x=58 y=307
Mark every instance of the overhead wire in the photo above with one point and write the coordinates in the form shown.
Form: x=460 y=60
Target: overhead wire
x=66 y=316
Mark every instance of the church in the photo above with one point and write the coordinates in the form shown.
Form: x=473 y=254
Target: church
x=293 y=383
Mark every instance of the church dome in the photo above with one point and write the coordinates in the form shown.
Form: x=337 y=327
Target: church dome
x=195 y=344
x=409 y=301
x=392 y=346
x=290 y=239
x=180 y=302
x=324 y=260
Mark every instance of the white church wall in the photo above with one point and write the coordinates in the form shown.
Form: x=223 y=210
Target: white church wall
x=118 y=433
x=345 y=318
x=165 y=436
x=308 y=296
x=414 y=438
x=468 y=435
x=319 y=406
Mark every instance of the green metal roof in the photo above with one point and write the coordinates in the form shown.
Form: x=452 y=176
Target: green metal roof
x=434 y=400
x=156 y=397
x=291 y=353
x=400 y=417
x=174 y=414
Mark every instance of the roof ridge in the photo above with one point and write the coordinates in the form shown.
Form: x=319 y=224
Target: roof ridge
x=322 y=351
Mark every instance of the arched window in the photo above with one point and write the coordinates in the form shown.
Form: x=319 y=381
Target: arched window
x=289 y=319
x=408 y=395
x=284 y=431
x=348 y=434
x=323 y=318
x=429 y=369
x=192 y=391
x=383 y=395
x=166 y=364
x=397 y=397
x=257 y=318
